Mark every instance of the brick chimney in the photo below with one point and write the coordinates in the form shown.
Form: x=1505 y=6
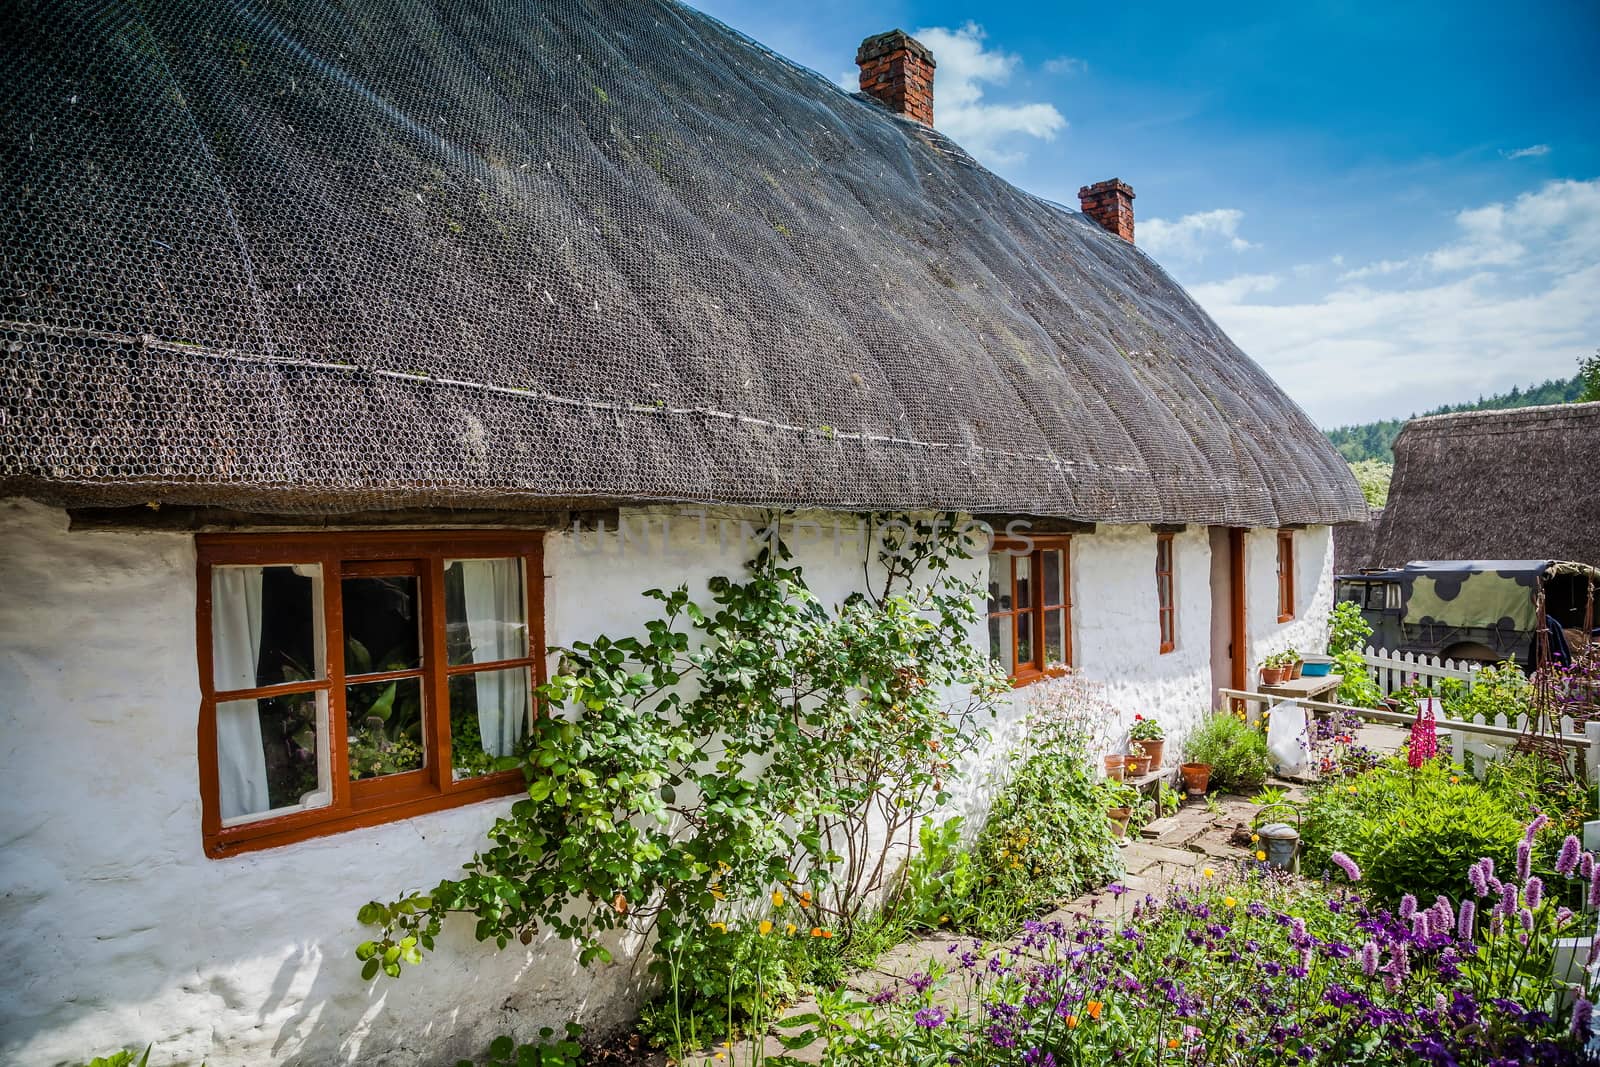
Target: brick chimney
x=1110 y=203
x=897 y=69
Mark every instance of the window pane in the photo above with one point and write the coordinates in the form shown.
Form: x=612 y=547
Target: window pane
x=999 y=581
x=265 y=625
x=1025 y=638
x=1000 y=643
x=271 y=756
x=384 y=724
x=1055 y=633
x=1024 y=582
x=1164 y=589
x=380 y=625
x=488 y=718
x=1050 y=563
x=485 y=617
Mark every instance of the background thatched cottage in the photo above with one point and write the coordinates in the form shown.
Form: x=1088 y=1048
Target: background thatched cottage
x=1513 y=484
x=389 y=294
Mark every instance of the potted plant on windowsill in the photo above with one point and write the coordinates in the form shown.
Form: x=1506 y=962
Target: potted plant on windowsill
x=1149 y=739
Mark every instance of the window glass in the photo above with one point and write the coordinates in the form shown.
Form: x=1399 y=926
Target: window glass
x=1024 y=651
x=271 y=755
x=384 y=728
x=1053 y=577
x=1055 y=638
x=264 y=626
x=999 y=582
x=1024 y=572
x=488 y=719
x=485 y=615
x=380 y=625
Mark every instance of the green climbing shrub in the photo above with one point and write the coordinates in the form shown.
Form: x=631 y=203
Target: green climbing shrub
x=1236 y=751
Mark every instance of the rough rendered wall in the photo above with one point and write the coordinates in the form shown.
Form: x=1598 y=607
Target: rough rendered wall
x=1313 y=594
x=115 y=927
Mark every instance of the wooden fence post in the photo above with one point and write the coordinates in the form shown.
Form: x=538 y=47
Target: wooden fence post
x=1591 y=755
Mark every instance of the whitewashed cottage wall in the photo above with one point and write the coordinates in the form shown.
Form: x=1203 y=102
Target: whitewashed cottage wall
x=116 y=929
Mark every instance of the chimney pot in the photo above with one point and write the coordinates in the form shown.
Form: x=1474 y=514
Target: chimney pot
x=1110 y=203
x=897 y=71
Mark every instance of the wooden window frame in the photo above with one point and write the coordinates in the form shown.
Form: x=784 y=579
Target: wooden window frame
x=1166 y=594
x=369 y=802
x=1285 y=575
x=1035 y=547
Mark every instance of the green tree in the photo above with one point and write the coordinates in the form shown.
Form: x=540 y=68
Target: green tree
x=1589 y=376
x=1373 y=476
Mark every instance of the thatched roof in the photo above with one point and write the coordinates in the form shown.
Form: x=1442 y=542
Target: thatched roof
x=1353 y=543
x=322 y=257
x=1517 y=484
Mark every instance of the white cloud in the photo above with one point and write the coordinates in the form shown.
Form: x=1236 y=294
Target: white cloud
x=1358 y=353
x=1374 y=270
x=965 y=66
x=1533 y=151
x=1066 y=65
x=1192 y=236
x=1561 y=220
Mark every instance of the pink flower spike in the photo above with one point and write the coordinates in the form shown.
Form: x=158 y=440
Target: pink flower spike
x=1533 y=892
x=1534 y=827
x=1464 y=921
x=1567 y=858
x=1525 y=856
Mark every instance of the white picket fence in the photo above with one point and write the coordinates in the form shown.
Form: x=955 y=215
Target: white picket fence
x=1396 y=670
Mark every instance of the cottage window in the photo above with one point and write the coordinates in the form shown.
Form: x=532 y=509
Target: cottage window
x=1030 y=606
x=1166 y=611
x=1285 y=575
x=353 y=679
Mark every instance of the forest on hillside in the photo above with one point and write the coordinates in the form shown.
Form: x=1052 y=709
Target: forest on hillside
x=1375 y=440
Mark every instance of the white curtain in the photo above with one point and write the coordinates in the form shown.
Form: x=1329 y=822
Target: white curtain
x=497 y=627
x=235 y=648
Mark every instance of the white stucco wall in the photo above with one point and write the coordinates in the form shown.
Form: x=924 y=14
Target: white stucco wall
x=1313 y=593
x=116 y=929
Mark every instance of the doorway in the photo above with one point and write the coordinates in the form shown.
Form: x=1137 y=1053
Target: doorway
x=1230 y=654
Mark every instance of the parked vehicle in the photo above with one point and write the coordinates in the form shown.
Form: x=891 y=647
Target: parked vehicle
x=1474 y=610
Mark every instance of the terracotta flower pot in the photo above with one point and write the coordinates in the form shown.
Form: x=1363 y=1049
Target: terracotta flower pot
x=1273 y=675
x=1196 y=778
x=1138 y=765
x=1156 y=750
x=1119 y=820
x=1115 y=767
x=1294 y=671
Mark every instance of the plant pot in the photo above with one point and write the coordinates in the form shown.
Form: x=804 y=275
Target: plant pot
x=1115 y=767
x=1137 y=765
x=1156 y=750
x=1196 y=778
x=1119 y=820
x=1272 y=675
x=1294 y=671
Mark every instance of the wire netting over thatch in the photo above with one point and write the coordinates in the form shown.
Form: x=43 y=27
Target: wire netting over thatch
x=303 y=257
x=1517 y=484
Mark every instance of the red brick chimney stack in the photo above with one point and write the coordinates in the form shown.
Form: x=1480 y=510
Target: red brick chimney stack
x=897 y=69
x=1110 y=203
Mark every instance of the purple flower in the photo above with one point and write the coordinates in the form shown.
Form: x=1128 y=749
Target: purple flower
x=1464 y=921
x=920 y=981
x=1347 y=865
x=1525 y=856
x=1582 y=1015
x=1408 y=906
x=1586 y=865
x=886 y=995
x=1533 y=892
x=1369 y=957
x=1419 y=926
x=1562 y=916
x=930 y=1018
x=1567 y=858
x=1525 y=917
x=1035 y=1057
x=1594 y=887
x=1116 y=890
x=1479 y=878
x=1534 y=827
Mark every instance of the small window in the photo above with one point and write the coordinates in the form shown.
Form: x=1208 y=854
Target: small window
x=1030 y=606
x=1285 y=575
x=1166 y=611
x=350 y=680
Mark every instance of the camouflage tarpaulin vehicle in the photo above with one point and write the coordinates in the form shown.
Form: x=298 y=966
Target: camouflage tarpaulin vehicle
x=1483 y=610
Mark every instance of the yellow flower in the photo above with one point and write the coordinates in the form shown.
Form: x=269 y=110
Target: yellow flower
x=1352 y=789
x=720 y=1056
x=1262 y=856
x=765 y=927
x=1072 y=1022
x=1454 y=778
x=720 y=926
x=1228 y=902
x=777 y=898
x=1254 y=838
x=788 y=931
x=1209 y=873
x=718 y=894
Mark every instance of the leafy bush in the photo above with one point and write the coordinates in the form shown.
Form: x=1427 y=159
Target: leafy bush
x=1415 y=830
x=1252 y=968
x=1236 y=751
x=1348 y=632
x=1373 y=476
x=548 y=1051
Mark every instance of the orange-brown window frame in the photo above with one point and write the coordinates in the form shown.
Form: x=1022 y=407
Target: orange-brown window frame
x=1166 y=609
x=1285 y=575
x=1035 y=547
x=370 y=802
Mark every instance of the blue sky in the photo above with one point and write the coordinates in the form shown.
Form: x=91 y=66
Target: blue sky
x=1389 y=206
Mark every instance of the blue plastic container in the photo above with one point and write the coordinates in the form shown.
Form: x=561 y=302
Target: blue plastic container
x=1317 y=667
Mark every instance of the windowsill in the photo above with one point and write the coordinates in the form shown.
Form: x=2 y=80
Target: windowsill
x=303 y=826
x=1168 y=649
x=1286 y=618
x=1020 y=680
